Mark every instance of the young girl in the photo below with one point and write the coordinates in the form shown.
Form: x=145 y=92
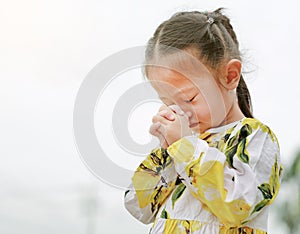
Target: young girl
x=218 y=168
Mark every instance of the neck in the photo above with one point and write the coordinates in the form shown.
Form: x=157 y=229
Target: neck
x=234 y=114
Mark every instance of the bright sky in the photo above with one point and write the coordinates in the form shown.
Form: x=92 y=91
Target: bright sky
x=46 y=50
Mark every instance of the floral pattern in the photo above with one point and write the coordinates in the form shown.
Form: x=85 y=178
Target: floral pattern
x=221 y=181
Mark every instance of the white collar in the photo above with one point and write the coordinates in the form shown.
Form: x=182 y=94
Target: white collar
x=224 y=127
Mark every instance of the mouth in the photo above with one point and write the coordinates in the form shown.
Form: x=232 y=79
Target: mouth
x=194 y=125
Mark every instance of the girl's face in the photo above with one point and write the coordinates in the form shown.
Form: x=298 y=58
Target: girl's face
x=196 y=91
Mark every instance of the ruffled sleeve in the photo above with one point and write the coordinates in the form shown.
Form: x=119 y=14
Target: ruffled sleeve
x=235 y=178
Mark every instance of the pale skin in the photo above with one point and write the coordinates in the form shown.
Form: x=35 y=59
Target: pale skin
x=194 y=104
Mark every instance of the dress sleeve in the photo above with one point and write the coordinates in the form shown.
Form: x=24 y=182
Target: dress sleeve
x=152 y=183
x=237 y=177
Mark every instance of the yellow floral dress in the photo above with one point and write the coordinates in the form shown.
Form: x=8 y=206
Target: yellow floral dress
x=221 y=181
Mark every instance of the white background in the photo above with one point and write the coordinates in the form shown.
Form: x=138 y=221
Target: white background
x=46 y=50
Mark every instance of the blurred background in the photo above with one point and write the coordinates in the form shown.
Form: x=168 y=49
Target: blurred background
x=46 y=50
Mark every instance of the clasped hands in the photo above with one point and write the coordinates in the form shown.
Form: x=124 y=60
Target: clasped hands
x=170 y=124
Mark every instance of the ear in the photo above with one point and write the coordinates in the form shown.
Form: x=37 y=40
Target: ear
x=232 y=74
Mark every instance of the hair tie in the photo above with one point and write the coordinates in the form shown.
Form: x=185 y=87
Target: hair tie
x=209 y=16
x=210 y=20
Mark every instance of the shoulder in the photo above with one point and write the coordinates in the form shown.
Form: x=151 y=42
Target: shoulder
x=253 y=125
x=250 y=134
x=251 y=141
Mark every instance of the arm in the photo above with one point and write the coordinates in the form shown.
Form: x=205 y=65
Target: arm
x=152 y=183
x=235 y=179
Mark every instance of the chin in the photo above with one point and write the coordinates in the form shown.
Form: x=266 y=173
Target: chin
x=197 y=129
x=200 y=129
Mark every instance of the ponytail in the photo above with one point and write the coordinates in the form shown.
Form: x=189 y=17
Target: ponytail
x=244 y=98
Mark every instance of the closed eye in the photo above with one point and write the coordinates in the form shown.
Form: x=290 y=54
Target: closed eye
x=188 y=101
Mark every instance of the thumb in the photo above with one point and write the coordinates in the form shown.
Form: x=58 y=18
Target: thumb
x=176 y=109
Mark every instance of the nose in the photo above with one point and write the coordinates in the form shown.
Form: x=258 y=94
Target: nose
x=190 y=111
x=187 y=111
x=181 y=110
x=189 y=114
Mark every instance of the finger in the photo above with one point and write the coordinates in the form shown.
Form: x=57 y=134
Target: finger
x=176 y=109
x=159 y=118
x=157 y=129
x=162 y=131
x=163 y=107
x=153 y=130
x=168 y=114
x=162 y=138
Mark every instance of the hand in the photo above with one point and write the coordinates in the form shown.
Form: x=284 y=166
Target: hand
x=156 y=129
x=169 y=125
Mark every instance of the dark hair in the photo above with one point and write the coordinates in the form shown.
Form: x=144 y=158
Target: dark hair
x=211 y=34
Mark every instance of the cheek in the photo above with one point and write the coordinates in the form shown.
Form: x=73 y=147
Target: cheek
x=213 y=100
x=211 y=111
x=200 y=112
x=217 y=110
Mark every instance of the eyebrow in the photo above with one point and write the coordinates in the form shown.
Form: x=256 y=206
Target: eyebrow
x=162 y=98
x=191 y=88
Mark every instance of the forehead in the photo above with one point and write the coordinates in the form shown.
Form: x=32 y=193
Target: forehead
x=182 y=68
x=164 y=78
x=179 y=73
